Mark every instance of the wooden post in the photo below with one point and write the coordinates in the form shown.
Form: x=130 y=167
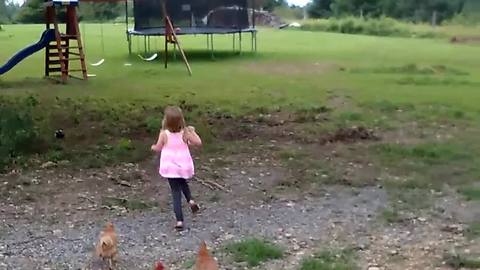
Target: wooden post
x=166 y=44
x=170 y=25
x=253 y=13
x=169 y=28
x=126 y=20
x=48 y=19
x=240 y=42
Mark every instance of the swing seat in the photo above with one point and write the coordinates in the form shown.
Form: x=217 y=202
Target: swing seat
x=99 y=63
x=151 y=58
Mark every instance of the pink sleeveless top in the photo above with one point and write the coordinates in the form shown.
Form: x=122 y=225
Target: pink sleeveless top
x=175 y=159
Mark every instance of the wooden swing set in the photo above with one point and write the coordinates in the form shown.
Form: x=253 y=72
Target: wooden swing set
x=67 y=47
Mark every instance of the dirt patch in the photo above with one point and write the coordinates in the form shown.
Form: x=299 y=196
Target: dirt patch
x=471 y=40
x=289 y=68
x=350 y=135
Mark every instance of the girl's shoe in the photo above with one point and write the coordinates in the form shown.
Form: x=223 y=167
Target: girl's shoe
x=179 y=227
x=194 y=207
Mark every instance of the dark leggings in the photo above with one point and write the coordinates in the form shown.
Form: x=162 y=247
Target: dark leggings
x=179 y=186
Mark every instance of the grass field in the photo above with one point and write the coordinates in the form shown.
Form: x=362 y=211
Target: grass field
x=291 y=68
x=320 y=109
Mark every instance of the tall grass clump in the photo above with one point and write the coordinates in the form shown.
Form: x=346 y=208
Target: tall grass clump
x=383 y=26
x=18 y=133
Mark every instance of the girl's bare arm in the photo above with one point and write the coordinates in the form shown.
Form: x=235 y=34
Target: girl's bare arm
x=162 y=139
x=191 y=137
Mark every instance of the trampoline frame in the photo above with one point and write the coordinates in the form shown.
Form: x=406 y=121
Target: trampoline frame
x=209 y=32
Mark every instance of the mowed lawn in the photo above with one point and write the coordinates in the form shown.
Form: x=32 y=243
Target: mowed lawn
x=291 y=69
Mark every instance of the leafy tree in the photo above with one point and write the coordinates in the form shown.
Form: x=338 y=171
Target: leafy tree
x=3 y=12
x=270 y=5
x=320 y=8
x=100 y=11
x=370 y=8
x=415 y=10
x=12 y=9
x=32 y=12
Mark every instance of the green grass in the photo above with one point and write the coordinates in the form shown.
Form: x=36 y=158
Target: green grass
x=473 y=230
x=471 y=193
x=130 y=204
x=434 y=164
x=331 y=260
x=426 y=153
x=256 y=83
x=391 y=216
x=189 y=263
x=254 y=251
x=388 y=82
x=462 y=261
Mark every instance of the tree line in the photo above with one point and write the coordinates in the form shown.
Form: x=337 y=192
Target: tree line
x=32 y=11
x=410 y=10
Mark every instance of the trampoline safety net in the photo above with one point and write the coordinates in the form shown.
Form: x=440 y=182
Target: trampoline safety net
x=192 y=13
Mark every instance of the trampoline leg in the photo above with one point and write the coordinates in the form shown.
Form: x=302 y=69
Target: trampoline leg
x=145 y=44
x=149 y=50
x=255 y=35
x=240 y=42
x=208 y=43
x=233 y=42
x=129 y=40
x=138 y=44
x=174 y=51
x=166 y=52
x=251 y=40
x=211 y=46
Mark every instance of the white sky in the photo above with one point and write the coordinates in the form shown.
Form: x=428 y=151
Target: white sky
x=298 y=2
x=295 y=2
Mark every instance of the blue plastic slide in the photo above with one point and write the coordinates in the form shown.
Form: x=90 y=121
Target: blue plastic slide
x=47 y=37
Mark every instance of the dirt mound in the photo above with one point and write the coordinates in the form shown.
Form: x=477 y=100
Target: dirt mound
x=266 y=18
x=472 y=40
x=286 y=68
x=350 y=135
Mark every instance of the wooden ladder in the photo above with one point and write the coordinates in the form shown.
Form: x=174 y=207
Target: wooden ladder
x=66 y=49
x=171 y=38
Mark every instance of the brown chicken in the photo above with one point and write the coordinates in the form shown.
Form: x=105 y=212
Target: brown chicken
x=204 y=260
x=107 y=245
x=159 y=266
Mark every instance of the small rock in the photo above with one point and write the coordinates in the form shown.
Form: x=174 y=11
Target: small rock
x=393 y=252
x=454 y=228
x=64 y=162
x=125 y=183
x=48 y=164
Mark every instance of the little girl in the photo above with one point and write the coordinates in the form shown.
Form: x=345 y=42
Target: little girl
x=176 y=163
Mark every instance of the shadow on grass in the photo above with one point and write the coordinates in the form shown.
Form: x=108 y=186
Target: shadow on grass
x=198 y=56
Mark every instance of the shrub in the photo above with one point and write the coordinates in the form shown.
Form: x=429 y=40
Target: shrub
x=330 y=260
x=372 y=26
x=254 y=251
x=18 y=134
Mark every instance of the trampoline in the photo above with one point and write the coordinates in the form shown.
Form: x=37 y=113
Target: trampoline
x=190 y=31
x=194 y=17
